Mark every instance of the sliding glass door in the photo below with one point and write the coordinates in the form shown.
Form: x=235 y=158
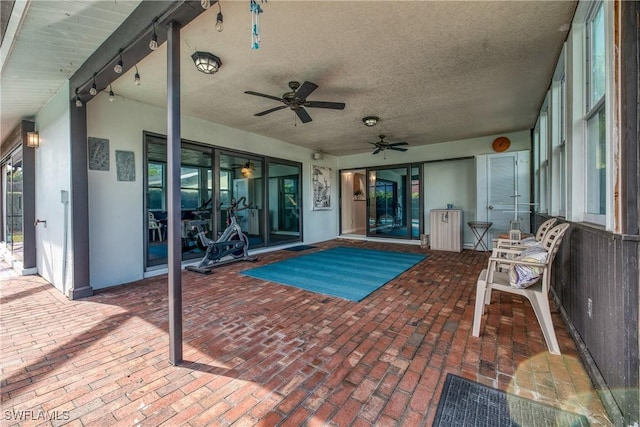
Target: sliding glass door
x=393 y=202
x=12 y=233
x=284 y=202
x=267 y=190
x=196 y=189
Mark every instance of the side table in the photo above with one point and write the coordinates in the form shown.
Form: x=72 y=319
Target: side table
x=479 y=229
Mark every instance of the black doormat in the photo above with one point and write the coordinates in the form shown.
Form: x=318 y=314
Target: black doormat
x=299 y=248
x=468 y=403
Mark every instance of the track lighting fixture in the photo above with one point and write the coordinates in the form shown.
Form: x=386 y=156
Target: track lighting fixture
x=153 y=44
x=119 y=65
x=136 y=78
x=219 y=19
x=94 y=90
x=78 y=100
x=112 y=95
x=206 y=4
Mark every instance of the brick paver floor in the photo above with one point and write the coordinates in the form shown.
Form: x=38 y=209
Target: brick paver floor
x=260 y=353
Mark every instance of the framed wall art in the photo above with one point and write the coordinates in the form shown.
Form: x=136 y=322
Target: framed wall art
x=321 y=181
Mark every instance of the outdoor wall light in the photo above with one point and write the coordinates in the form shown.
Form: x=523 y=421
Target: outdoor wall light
x=33 y=139
x=206 y=62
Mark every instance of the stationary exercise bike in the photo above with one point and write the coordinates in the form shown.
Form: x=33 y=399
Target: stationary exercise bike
x=231 y=246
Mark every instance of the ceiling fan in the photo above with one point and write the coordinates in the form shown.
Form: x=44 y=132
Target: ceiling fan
x=384 y=145
x=296 y=100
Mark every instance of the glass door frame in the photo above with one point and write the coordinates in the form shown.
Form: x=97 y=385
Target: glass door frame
x=300 y=187
x=8 y=219
x=407 y=199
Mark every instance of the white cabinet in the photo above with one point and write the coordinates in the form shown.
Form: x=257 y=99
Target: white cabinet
x=446 y=230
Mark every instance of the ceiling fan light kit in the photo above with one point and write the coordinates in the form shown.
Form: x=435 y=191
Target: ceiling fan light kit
x=206 y=62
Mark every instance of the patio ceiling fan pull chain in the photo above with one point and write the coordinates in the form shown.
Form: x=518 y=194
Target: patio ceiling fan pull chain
x=256 y=10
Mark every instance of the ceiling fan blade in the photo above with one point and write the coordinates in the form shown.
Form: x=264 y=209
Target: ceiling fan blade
x=305 y=90
x=303 y=115
x=397 y=149
x=321 y=104
x=271 y=110
x=394 y=144
x=264 y=95
x=377 y=151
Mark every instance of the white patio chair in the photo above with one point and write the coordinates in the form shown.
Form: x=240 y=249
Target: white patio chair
x=544 y=228
x=495 y=278
x=155 y=227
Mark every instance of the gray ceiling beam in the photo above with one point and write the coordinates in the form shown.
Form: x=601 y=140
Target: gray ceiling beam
x=131 y=40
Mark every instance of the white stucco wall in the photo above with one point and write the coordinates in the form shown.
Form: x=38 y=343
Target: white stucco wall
x=444 y=150
x=53 y=176
x=116 y=208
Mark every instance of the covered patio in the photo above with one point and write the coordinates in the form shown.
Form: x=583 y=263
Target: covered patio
x=261 y=353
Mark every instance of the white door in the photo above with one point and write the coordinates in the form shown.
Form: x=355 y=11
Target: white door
x=503 y=192
x=508 y=191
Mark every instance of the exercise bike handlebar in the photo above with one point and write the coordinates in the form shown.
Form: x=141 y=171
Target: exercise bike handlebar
x=235 y=203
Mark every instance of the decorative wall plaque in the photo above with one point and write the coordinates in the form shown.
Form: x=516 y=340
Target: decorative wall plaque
x=125 y=165
x=98 y=154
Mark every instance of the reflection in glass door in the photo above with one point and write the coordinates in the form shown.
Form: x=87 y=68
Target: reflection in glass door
x=393 y=202
x=242 y=177
x=196 y=189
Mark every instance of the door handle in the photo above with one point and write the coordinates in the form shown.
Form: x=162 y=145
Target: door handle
x=490 y=207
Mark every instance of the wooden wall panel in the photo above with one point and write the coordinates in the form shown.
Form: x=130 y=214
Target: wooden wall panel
x=602 y=266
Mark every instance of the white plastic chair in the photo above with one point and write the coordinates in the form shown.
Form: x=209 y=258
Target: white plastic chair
x=544 y=228
x=494 y=277
x=155 y=227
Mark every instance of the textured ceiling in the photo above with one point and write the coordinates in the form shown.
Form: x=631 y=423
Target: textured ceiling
x=432 y=71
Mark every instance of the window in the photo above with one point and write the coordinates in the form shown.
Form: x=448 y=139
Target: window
x=561 y=149
x=595 y=56
x=156 y=176
x=596 y=127
x=543 y=162
x=225 y=189
x=557 y=139
x=596 y=164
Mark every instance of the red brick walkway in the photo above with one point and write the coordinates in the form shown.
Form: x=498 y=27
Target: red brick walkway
x=260 y=353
